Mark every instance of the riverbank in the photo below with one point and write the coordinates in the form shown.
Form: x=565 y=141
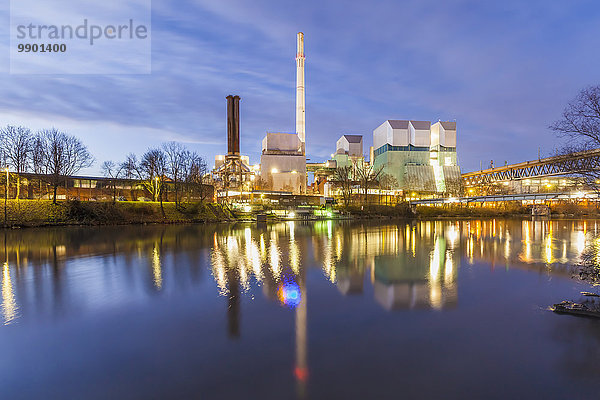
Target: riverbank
x=32 y=213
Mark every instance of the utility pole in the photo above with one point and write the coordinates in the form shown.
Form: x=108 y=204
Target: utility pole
x=6 y=199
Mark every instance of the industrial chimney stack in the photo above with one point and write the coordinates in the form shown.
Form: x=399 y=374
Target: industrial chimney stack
x=300 y=106
x=233 y=125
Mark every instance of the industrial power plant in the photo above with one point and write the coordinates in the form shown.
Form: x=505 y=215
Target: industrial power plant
x=415 y=157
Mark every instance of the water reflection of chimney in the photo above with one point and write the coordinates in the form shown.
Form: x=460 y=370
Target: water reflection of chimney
x=233 y=304
x=301 y=317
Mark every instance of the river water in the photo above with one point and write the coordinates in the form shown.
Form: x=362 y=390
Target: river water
x=426 y=309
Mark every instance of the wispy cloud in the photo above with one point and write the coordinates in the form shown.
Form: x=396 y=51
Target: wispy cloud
x=503 y=70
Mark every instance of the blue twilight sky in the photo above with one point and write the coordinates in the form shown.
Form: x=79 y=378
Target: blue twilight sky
x=502 y=69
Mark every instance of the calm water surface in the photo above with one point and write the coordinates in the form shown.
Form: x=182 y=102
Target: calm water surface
x=322 y=310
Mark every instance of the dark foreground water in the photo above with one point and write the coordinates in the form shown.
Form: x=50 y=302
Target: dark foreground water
x=325 y=310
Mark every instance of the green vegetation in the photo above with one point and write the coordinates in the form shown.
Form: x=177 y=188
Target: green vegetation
x=400 y=210
x=44 y=212
x=461 y=211
x=505 y=210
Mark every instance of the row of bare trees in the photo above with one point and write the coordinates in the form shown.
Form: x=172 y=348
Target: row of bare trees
x=185 y=170
x=50 y=153
x=54 y=156
x=363 y=175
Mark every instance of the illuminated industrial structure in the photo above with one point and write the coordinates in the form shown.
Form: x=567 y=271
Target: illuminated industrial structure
x=420 y=156
x=349 y=150
x=233 y=171
x=283 y=160
x=557 y=174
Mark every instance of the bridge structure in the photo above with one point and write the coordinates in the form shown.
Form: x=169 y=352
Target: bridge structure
x=561 y=165
x=535 y=197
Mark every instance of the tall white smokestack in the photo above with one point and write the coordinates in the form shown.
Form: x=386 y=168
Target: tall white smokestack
x=300 y=106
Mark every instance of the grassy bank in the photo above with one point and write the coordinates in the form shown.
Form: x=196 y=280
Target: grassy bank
x=24 y=213
x=403 y=210
x=458 y=211
x=400 y=210
x=43 y=212
x=505 y=211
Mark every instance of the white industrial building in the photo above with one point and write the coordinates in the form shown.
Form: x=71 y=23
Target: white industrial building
x=283 y=160
x=351 y=145
x=282 y=163
x=421 y=156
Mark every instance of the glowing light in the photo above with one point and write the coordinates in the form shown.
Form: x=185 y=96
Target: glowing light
x=448 y=267
x=580 y=241
x=288 y=294
x=435 y=297
x=292 y=214
x=274 y=171
x=435 y=260
x=452 y=235
x=301 y=373
x=247 y=208
x=156 y=269
x=274 y=260
x=254 y=258
x=9 y=303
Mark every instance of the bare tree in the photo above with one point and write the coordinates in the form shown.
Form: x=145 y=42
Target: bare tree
x=580 y=125
x=112 y=171
x=17 y=144
x=196 y=173
x=455 y=187
x=129 y=166
x=129 y=170
x=368 y=176
x=151 y=171
x=343 y=179
x=387 y=182
x=176 y=156
x=58 y=156
x=580 y=121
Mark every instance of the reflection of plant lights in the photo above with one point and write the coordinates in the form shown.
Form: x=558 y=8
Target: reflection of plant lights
x=288 y=294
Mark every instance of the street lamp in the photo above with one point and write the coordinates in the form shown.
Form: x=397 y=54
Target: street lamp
x=6 y=198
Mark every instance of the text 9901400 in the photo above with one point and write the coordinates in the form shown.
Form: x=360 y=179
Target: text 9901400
x=41 y=48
